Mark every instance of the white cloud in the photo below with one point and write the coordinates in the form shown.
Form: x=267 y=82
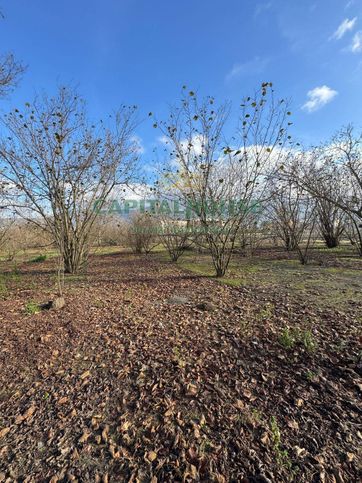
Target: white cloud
x=349 y=4
x=344 y=27
x=356 y=45
x=163 y=140
x=319 y=97
x=251 y=67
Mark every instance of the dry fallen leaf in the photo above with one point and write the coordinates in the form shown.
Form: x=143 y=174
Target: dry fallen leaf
x=265 y=438
x=220 y=478
x=26 y=415
x=299 y=451
x=115 y=454
x=191 y=390
x=29 y=412
x=151 y=456
x=247 y=393
x=239 y=404
x=4 y=432
x=85 y=375
x=125 y=426
x=105 y=433
x=350 y=457
x=84 y=437
x=292 y=424
x=319 y=458
x=75 y=454
x=194 y=471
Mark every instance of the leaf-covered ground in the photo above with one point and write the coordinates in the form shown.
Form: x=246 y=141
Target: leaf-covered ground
x=153 y=373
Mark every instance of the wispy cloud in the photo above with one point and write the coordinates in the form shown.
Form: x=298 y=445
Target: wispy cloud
x=319 y=97
x=349 y=4
x=356 y=45
x=251 y=67
x=262 y=7
x=344 y=27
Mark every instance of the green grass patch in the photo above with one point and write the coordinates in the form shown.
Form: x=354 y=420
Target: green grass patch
x=333 y=287
x=38 y=259
x=74 y=278
x=32 y=308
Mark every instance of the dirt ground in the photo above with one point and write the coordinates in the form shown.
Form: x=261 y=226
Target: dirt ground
x=152 y=372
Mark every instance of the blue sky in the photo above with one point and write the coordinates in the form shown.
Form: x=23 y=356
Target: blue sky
x=143 y=51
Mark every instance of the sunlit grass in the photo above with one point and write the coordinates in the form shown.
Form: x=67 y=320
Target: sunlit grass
x=326 y=286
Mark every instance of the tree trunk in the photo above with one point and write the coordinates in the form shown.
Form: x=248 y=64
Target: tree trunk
x=331 y=241
x=74 y=256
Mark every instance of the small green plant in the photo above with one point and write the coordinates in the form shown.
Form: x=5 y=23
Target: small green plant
x=308 y=341
x=14 y=275
x=206 y=446
x=38 y=259
x=256 y=414
x=310 y=375
x=287 y=339
x=282 y=456
x=32 y=308
x=266 y=312
x=98 y=303
x=177 y=357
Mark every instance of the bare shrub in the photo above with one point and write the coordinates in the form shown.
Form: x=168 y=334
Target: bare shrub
x=175 y=236
x=142 y=232
x=286 y=211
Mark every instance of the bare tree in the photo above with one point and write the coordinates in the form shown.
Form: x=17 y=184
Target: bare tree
x=222 y=180
x=59 y=166
x=286 y=211
x=354 y=232
x=292 y=212
x=5 y=226
x=108 y=231
x=331 y=221
x=307 y=227
x=10 y=73
x=252 y=233
x=339 y=163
